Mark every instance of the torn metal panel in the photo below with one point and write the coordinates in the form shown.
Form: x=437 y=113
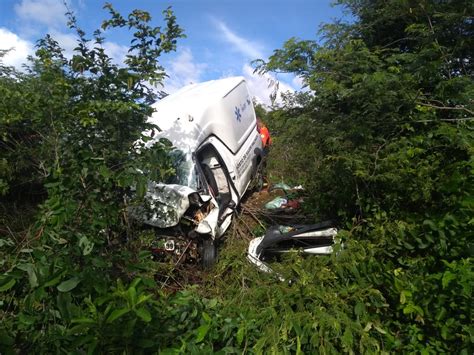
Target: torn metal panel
x=316 y=239
x=166 y=204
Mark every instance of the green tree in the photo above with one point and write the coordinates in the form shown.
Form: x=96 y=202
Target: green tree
x=72 y=130
x=387 y=142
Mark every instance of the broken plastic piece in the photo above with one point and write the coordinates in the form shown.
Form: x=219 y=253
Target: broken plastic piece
x=310 y=239
x=280 y=186
x=285 y=187
x=277 y=202
x=253 y=258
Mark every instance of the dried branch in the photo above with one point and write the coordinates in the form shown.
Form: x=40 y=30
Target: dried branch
x=176 y=265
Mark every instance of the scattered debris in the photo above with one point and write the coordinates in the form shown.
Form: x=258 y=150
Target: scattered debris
x=280 y=186
x=277 y=202
x=316 y=239
x=281 y=203
x=285 y=187
x=289 y=201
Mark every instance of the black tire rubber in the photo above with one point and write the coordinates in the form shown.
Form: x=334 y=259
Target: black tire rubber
x=208 y=253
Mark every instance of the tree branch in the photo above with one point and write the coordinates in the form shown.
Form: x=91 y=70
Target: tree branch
x=455 y=108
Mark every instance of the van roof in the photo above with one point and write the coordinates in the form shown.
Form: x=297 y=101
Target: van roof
x=182 y=115
x=191 y=100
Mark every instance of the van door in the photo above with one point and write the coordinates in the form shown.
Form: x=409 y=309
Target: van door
x=247 y=161
x=219 y=183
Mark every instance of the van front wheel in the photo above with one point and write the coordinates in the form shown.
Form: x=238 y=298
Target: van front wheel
x=208 y=253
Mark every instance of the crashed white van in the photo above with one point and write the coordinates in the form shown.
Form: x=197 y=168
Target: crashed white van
x=218 y=151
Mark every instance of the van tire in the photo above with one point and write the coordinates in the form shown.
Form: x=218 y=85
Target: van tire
x=208 y=253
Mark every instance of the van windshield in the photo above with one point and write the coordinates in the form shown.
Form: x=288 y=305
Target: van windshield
x=185 y=170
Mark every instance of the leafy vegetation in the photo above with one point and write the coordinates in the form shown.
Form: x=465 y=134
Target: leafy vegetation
x=382 y=141
x=388 y=132
x=70 y=131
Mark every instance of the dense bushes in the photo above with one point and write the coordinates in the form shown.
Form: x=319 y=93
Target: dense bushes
x=389 y=141
x=70 y=131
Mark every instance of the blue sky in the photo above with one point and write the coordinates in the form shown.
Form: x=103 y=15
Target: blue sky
x=223 y=36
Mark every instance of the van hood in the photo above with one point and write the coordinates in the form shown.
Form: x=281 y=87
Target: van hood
x=165 y=204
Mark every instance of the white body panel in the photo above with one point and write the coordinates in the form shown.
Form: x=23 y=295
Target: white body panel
x=222 y=108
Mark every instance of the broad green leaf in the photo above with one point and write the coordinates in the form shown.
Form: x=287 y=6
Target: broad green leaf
x=141 y=188
x=212 y=303
x=79 y=329
x=54 y=280
x=347 y=338
x=380 y=330
x=359 y=309
x=240 y=334
x=68 y=285
x=143 y=298
x=31 y=271
x=105 y=172
x=135 y=282
x=147 y=343
x=132 y=295
x=117 y=314
x=27 y=319
x=206 y=317
x=368 y=326
x=404 y=295
x=8 y=285
x=448 y=276
x=430 y=224
x=143 y=314
x=202 y=332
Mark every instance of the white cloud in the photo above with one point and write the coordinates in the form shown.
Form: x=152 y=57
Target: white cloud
x=115 y=51
x=20 y=48
x=182 y=71
x=298 y=82
x=250 y=49
x=38 y=17
x=43 y=12
x=67 y=41
x=262 y=86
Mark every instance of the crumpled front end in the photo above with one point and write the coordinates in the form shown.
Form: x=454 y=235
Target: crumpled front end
x=166 y=204
x=182 y=219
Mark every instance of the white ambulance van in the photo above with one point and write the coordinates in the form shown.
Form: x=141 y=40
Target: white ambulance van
x=218 y=151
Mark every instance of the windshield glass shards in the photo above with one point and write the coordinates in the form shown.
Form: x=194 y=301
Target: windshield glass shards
x=185 y=170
